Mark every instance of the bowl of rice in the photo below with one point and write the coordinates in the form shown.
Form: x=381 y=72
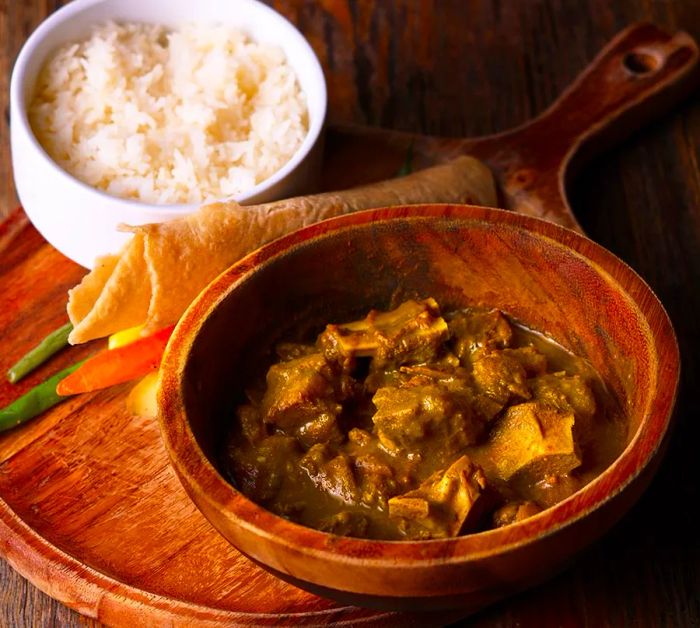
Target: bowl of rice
x=133 y=112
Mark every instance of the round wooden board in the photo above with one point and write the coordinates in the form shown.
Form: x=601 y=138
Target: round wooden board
x=90 y=510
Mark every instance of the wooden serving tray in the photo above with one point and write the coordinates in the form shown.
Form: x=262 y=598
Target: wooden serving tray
x=90 y=511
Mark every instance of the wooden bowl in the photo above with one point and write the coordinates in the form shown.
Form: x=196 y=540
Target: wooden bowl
x=552 y=279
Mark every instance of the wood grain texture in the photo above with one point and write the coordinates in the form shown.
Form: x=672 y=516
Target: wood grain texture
x=479 y=67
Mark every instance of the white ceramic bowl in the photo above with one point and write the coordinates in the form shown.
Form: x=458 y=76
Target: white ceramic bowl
x=81 y=221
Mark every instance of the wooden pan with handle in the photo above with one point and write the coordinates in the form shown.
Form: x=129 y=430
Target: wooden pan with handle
x=642 y=73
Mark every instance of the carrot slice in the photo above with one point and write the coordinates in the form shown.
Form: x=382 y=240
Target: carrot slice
x=116 y=366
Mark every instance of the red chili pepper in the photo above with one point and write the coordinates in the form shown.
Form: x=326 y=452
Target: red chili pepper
x=116 y=366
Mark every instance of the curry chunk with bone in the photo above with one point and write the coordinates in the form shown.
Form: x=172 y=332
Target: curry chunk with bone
x=412 y=333
x=411 y=424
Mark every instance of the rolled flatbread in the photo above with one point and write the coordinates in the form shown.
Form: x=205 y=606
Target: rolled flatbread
x=164 y=266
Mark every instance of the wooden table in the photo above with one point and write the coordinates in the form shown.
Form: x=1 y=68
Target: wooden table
x=466 y=68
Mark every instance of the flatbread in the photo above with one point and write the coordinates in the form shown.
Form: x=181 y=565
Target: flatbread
x=115 y=295
x=164 y=266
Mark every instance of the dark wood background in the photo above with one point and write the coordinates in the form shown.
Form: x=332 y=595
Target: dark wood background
x=459 y=67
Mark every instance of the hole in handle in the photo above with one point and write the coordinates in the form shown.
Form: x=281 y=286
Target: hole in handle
x=641 y=62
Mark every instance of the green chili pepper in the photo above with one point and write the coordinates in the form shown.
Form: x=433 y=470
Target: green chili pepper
x=37 y=400
x=54 y=342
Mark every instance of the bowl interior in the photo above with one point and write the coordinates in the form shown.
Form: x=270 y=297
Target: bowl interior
x=460 y=262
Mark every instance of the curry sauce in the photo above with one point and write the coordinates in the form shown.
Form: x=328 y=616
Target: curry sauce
x=413 y=425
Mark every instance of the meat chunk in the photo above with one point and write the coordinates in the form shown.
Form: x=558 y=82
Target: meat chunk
x=298 y=390
x=359 y=437
x=323 y=429
x=303 y=398
x=501 y=377
x=261 y=472
x=568 y=393
x=485 y=407
x=377 y=475
x=452 y=377
x=440 y=506
x=474 y=331
x=456 y=381
x=376 y=479
x=533 y=440
x=408 y=416
x=410 y=334
x=332 y=473
x=513 y=512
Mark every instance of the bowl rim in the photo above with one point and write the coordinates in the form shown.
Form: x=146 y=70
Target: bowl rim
x=195 y=470
x=20 y=119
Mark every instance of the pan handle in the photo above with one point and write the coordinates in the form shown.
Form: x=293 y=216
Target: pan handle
x=642 y=73
x=638 y=76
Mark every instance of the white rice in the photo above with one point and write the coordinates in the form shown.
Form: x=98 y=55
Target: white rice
x=169 y=116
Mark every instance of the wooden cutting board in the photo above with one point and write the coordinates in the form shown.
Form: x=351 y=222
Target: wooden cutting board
x=90 y=511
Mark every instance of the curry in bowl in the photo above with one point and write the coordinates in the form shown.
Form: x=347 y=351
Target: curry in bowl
x=412 y=424
x=551 y=279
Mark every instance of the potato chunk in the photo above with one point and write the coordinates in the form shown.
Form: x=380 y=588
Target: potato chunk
x=533 y=440
x=501 y=377
x=331 y=473
x=439 y=507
